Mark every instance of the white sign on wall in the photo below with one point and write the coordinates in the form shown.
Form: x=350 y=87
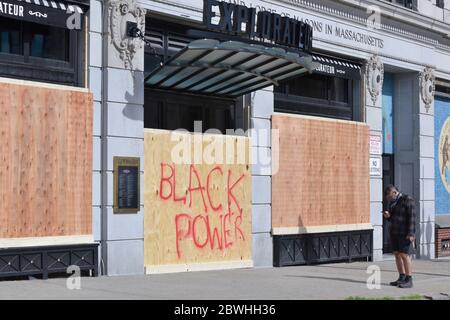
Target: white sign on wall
x=375 y=146
x=375 y=166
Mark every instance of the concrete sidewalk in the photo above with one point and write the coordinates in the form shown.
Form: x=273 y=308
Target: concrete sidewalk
x=331 y=281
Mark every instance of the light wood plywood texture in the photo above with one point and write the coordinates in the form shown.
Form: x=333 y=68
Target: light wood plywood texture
x=195 y=212
x=45 y=161
x=323 y=176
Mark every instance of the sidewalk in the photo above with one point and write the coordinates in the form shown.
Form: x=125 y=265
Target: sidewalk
x=331 y=281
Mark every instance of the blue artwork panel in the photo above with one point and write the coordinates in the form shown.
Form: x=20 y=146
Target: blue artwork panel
x=442 y=154
x=387 y=107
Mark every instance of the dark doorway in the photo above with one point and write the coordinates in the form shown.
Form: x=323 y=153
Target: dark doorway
x=388 y=178
x=172 y=110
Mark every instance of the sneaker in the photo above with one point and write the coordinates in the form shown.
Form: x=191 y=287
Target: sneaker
x=408 y=283
x=400 y=279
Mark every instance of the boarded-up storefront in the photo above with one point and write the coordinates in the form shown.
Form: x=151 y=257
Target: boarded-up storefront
x=45 y=165
x=45 y=180
x=197 y=208
x=322 y=185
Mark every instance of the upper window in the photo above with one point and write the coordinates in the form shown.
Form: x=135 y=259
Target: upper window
x=172 y=110
x=11 y=36
x=410 y=4
x=443 y=90
x=49 y=43
x=316 y=94
x=318 y=87
x=39 y=52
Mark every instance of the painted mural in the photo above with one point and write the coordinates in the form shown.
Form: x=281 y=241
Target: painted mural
x=442 y=149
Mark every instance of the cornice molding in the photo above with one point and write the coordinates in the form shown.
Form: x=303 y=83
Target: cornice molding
x=343 y=15
x=403 y=14
x=361 y=20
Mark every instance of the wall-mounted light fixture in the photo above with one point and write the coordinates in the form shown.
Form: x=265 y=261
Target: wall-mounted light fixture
x=134 y=32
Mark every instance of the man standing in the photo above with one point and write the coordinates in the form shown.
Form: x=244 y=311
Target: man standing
x=401 y=214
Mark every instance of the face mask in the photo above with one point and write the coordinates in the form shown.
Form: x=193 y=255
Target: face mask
x=393 y=202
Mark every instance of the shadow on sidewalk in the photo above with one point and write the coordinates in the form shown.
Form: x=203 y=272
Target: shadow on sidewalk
x=335 y=279
x=386 y=270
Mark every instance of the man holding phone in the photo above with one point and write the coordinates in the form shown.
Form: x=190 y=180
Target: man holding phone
x=401 y=214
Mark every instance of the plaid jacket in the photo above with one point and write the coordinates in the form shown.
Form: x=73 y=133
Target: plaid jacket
x=403 y=216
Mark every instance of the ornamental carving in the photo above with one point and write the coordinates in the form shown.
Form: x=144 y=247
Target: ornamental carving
x=427 y=87
x=120 y=12
x=374 y=77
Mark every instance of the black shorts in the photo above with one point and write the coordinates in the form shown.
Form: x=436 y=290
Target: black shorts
x=401 y=244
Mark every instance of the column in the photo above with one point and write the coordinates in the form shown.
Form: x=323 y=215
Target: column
x=426 y=157
x=414 y=150
x=374 y=74
x=260 y=119
x=122 y=133
x=95 y=86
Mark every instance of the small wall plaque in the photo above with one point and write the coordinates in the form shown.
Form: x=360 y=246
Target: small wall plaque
x=126 y=184
x=375 y=166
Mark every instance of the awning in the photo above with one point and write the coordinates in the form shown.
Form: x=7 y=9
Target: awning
x=337 y=67
x=54 y=13
x=228 y=68
x=442 y=221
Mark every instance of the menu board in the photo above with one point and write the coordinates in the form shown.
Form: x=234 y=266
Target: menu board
x=126 y=184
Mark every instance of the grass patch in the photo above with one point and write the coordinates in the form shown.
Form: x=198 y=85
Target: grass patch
x=409 y=297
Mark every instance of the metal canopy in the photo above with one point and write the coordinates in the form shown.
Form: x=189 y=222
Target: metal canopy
x=228 y=68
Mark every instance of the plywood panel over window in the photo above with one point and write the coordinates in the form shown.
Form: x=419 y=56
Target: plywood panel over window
x=45 y=161
x=323 y=176
x=197 y=201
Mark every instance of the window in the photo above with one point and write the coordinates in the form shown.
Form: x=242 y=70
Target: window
x=39 y=52
x=316 y=95
x=443 y=90
x=171 y=111
x=10 y=31
x=49 y=43
x=410 y=4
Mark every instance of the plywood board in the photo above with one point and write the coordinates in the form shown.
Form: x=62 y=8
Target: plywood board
x=196 y=211
x=45 y=161
x=323 y=175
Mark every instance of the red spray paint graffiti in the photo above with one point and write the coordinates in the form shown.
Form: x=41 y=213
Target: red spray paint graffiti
x=198 y=227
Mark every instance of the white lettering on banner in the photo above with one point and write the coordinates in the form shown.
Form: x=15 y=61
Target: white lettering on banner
x=359 y=37
x=11 y=9
x=37 y=14
x=325 y=27
x=325 y=68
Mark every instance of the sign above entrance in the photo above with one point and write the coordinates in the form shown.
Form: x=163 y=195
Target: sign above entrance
x=53 y=13
x=336 y=67
x=262 y=25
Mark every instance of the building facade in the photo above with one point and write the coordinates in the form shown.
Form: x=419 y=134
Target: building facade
x=318 y=130
x=46 y=175
x=400 y=57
